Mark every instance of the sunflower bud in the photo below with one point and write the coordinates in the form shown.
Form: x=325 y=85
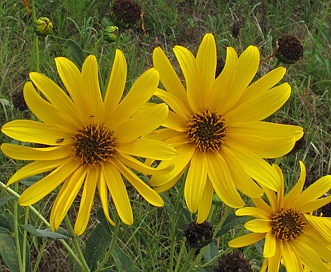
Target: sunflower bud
x=235 y=262
x=110 y=33
x=126 y=12
x=43 y=26
x=289 y=49
x=198 y=235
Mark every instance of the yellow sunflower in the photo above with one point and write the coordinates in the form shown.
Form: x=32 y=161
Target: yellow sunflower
x=215 y=125
x=87 y=141
x=292 y=235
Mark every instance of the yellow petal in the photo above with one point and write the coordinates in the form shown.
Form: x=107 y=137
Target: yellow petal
x=297 y=189
x=224 y=82
x=44 y=110
x=86 y=200
x=72 y=81
x=263 y=84
x=149 y=194
x=168 y=76
x=246 y=240
x=270 y=245
x=255 y=166
x=34 y=132
x=205 y=203
x=253 y=211
x=103 y=193
x=207 y=60
x=291 y=260
x=241 y=179
x=175 y=122
x=141 y=91
x=91 y=88
x=195 y=181
x=267 y=140
x=260 y=106
x=55 y=95
x=47 y=184
x=34 y=168
x=309 y=256
x=142 y=167
x=322 y=225
x=141 y=123
x=221 y=179
x=313 y=192
x=184 y=155
x=118 y=192
x=191 y=72
x=148 y=148
x=116 y=83
x=20 y=152
x=246 y=69
x=258 y=225
x=66 y=197
x=321 y=248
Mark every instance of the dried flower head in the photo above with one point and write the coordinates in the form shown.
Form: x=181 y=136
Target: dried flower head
x=233 y=262
x=126 y=12
x=198 y=235
x=289 y=49
x=18 y=101
x=237 y=25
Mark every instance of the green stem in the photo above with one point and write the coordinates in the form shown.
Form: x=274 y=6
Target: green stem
x=82 y=262
x=16 y=231
x=181 y=252
x=110 y=249
x=224 y=217
x=36 y=40
x=40 y=255
x=173 y=225
x=220 y=254
x=25 y=237
x=188 y=259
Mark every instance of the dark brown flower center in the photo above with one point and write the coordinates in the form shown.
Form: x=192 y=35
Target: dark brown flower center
x=207 y=130
x=93 y=145
x=287 y=224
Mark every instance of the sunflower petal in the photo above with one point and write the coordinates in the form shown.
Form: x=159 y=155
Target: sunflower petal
x=149 y=194
x=118 y=192
x=140 y=92
x=261 y=106
x=35 y=132
x=207 y=60
x=270 y=245
x=246 y=240
x=34 y=168
x=47 y=184
x=195 y=181
x=258 y=225
x=141 y=123
x=86 y=200
x=20 y=152
x=66 y=197
x=103 y=193
x=221 y=179
x=253 y=211
x=205 y=202
x=192 y=76
x=168 y=76
x=321 y=224
x=116 y=83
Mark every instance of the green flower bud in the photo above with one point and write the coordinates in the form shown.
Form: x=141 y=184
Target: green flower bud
x=43 y=26
x=110 y=33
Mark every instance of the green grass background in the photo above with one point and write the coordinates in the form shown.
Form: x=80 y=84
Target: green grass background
x=169 y=23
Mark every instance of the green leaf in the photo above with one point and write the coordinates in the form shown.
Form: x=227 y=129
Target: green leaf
x=5 y=199
x=123 y=261
x=97 y=243
x=76 y=52
x=46 y=233
x=8 y=249
x=210 y=252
